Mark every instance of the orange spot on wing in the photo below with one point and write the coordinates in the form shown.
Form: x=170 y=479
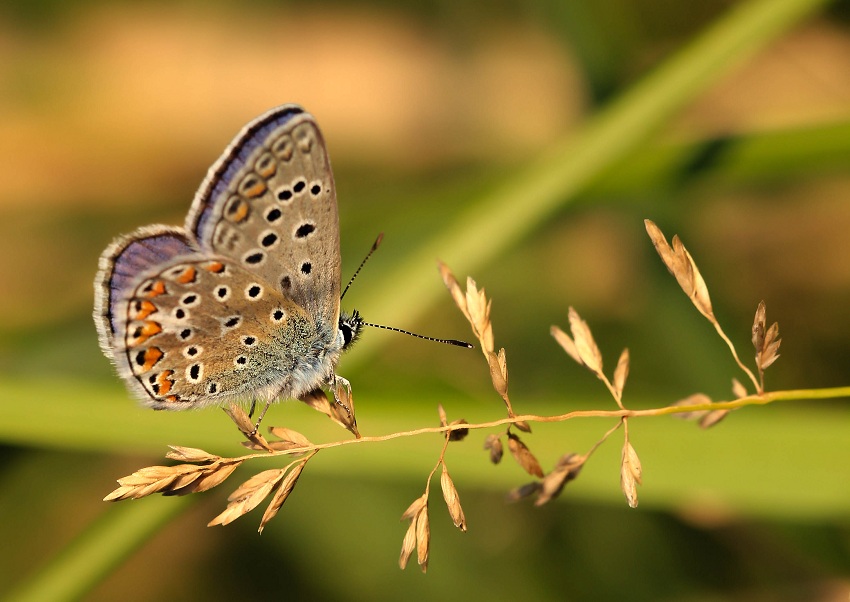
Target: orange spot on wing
x=254 y=188
x=146 y=331
x=237 y=210
x=241 y=213
x=142 y=309
x=165 y=381
x=188 y=276
x=216 y=267
x=152 y=356
x=151 y=328
x=156 y=289
x=266 y=166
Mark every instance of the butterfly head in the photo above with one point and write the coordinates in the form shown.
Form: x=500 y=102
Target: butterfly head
x=349 y=326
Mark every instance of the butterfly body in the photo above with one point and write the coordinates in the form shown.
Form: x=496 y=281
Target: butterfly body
x=243 y=302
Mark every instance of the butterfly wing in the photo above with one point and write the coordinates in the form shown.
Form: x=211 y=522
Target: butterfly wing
x=121 y=264
x=269 y=204
x=243 y=302
x=187 y=330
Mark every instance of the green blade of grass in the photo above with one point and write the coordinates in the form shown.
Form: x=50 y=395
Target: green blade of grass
x=785 y=154
x=490 y=226
x=755 y=483
x=104 y=545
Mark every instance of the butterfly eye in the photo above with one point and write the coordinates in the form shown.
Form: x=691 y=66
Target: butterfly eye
x=349 y=326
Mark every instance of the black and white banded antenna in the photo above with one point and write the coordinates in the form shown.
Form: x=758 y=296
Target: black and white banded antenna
x=418 y=336
x=356 y=314
x=362 y=263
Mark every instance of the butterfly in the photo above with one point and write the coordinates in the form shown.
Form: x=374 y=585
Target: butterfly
x=242 y=302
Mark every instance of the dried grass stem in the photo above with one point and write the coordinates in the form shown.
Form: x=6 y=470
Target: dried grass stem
x=763 y=399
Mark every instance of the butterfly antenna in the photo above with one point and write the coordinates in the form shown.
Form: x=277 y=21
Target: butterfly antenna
x=360 y=321
x=362 y=263
x=420 y=336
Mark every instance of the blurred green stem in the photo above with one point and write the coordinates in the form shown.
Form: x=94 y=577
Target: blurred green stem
x=740 y=160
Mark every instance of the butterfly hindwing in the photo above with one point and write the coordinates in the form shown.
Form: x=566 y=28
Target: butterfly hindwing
x=204 y=330
x=120 y=266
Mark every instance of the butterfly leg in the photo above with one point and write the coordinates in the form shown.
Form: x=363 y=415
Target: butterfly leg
x=341 y=389
x=260 y=419
x=343 y=400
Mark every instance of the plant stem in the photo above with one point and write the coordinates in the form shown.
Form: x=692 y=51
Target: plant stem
x=759 y=388
x=763 y=399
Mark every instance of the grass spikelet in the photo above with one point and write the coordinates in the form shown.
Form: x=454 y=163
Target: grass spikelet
x=630 y=474
x=524 y=457
x=282 y=493
x=248 y=495
x=567 y=469
x=452 y=500
x=493 y=443
x=586 y=347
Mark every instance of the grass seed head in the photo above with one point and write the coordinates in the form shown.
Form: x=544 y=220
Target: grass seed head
x=282 y=493
x=524 y=457
x=493 y=443
x=567 y=469
x=630 y=474
x=584 y=343
x=452 y=500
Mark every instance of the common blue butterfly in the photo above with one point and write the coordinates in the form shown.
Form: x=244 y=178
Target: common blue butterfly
x=243 y=301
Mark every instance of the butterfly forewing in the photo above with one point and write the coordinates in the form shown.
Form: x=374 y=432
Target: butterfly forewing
x=269 y=204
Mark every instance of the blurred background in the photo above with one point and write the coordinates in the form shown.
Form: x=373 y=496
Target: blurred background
x=523 y=143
